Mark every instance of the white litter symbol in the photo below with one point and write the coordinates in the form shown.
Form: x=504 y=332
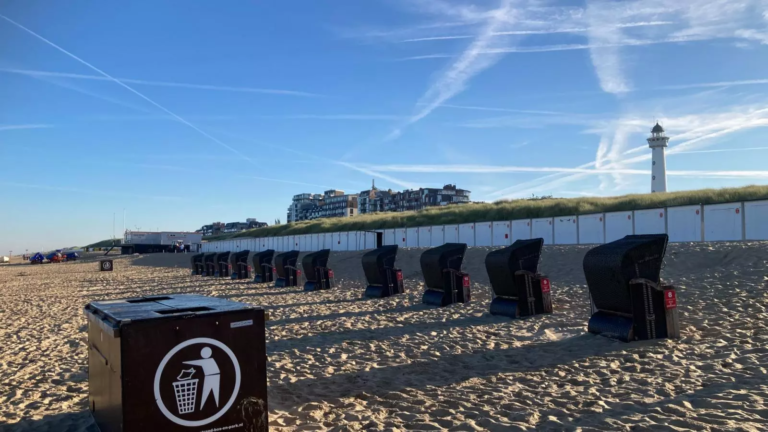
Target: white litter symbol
x=186 y=391
x=185 y=386
x=211 y=380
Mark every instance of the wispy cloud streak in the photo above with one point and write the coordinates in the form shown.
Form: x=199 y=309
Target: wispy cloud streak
x=90 y=192
x=591 y=171
x=120 y=83
x=161 y=83
x=456 y=78
x=539 y=32
x=24 y=126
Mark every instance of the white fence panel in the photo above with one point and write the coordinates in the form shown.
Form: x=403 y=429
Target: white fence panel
x=756 y=220
x=484 y=234
x=369 y=240
x=542 y=228
x=425 y=237
x=345 y=241
x=353 y=241
x=400 y=237
x=521 y=230
x=303 y=243
x=467 y=234
x=684 y=223
x=438 y=236
x=591 y=229
x=566 y=230
x=618 y=225
x=723 y=222
x=330 y=241
x=336 y=242
x=451 y=234
x=502 y=233
x=389 y=237
x=412 y=237
x=652 y=221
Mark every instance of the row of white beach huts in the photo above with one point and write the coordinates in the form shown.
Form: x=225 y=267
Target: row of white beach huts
x=696 y=223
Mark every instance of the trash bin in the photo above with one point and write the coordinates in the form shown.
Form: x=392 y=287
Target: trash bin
x=262 y=266
x=441 y=267
x=222 y=264
x=209 y=264
x=383 y=278
x=106 y=265
x=623 y=278
x=285 y=267
x=197 y=264
x=316 y=271
x=177 y=363
x=238 y=265
x=518 y=289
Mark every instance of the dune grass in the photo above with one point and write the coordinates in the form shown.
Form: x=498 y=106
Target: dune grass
x=508 y=210
x=103 y=244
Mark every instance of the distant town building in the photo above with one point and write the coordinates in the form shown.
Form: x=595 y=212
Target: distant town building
x=217 y=228
x=332 y=203
x=160 y=241
x=375 y=200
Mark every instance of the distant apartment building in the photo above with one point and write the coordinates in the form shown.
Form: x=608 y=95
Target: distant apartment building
x=217 y=228
x=332 y=203
x=375 y=200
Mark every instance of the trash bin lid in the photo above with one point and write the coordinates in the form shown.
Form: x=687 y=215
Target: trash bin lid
x=112 y=314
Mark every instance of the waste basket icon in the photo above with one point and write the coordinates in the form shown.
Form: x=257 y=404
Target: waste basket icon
x=186 y=392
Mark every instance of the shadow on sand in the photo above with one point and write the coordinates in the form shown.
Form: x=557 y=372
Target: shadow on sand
x=447 y=370
x=310 y=318
x=80 y=421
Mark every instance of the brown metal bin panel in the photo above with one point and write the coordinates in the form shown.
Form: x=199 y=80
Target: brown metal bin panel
x=105 y=398
x=155 y=354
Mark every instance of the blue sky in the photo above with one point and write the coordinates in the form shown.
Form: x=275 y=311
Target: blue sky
x=184 y=113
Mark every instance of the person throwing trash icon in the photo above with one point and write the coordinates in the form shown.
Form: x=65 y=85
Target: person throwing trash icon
x=211 y=373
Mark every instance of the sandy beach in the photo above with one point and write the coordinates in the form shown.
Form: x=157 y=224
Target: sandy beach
x=342 y=363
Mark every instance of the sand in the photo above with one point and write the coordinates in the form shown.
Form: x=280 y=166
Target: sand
x=339 y=362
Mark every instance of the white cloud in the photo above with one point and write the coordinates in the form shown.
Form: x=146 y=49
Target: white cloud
x=606 y=59
x=722 y=150
x=611 y=25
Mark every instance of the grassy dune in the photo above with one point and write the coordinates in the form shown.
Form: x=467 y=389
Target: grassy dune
x=509 y=210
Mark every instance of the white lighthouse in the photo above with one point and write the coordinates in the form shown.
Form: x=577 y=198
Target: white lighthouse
x=658 y=142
